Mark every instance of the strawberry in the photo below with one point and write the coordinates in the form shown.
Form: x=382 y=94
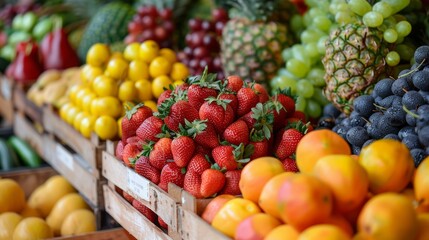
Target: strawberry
x=164 y=95
x=135 y=139
x=261 y=149
x=162 y=223
x=287 y=100
x=133 y=118
x=235 y=83
x=230 y=157
x=147 y=212
x=119 y=150
x=288 y=143
x=151 y=127
x=212 y=181
x=237 y=133
x=160 y=153
x=127 y=197
x=300 y=115
x=203 y=132
x=217 y=112
x=171 y=173
x=262 y=92
x=250 y=121
x=182 y=87
x=233 y=100
x=203 y=150
x=197 y=95
x=179 y=112
x=289 y=164
x=182 y=148
x=146 y=170
x=232 y=182
x=192 y=183
x=247 y=99
x=130 y=154
x=198 y=164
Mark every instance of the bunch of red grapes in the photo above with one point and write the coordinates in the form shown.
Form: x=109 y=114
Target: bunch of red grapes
x=149 y=23
x=202 y=44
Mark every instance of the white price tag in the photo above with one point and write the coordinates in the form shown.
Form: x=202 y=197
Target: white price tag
x=6 y=89
x=65 y=157
x=138 y=185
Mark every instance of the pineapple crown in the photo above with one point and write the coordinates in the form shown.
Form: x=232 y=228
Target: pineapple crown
x=254 y=10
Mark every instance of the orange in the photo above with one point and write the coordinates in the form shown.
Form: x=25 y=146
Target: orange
x=389 y=165
x=256 y=174
x=283 y=232
x=421 y=183
x=388 y=216
x=317 y=144
x=341 y=222
x=423 y=221
x=347 y=179
x=256 y=226
x=214 y=206
x=323 y=232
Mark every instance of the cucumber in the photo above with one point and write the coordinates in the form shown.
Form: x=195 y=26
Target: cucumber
x=13 y=157
x=8 y=159
x=25 y=152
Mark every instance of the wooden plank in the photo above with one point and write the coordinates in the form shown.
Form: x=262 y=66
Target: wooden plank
x=112 y=234
x=141 y=188
x=86 y=148
x=24 y=105
x=71 y=166
x=129 y=218
x=6 y=106
x=24 y=129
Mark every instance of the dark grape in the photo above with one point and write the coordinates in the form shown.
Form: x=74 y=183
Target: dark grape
x=411 y=141
x=219 y=15
x=422 y=54
x=356 y=121
x=392 y=136
x=400 y=86
x=395 y=116
x=412 y=100
x=364 y=105
x=405 y=131
x=421 y=80
x=166 y=13
x=331 y=110
x=418 y=155
x=195 y=24
x=357 y=136
x=383 y=88
x=148 y=22
x=423 y=134
x=368 y=142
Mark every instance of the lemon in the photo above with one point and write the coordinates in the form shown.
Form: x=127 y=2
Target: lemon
x=32 y=228
x=8 y=223
x=78 y=222
x=12 y=196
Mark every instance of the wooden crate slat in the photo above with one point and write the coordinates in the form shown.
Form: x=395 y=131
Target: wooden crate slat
x=6 y=91
x=24 y=105
x=24 y=129
x=66 y=133
x=140 y=188
x=129 y=218
x=111 y=234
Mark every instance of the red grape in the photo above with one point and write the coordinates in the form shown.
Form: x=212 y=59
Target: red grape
x=160 y=33
x=219 y=28
x=169 y=26
x=195 y=24
x=193 y=64
x=130 y=38
x=217 y=64
x=219 y=15
x=197 y=39
x=211 y=43
x=200 y=52
x=148 y=35
x=152 y=11
x=207 y=26
x=135 y=27
x=148 y=22
x=188 y=51
x=166 y=13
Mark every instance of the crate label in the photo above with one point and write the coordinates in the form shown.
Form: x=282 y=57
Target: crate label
x=6 y=89
x=138 y=185
x=65 y=157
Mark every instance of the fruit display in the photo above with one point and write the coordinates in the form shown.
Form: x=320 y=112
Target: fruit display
x=53 y=209
x=202 y=43
x=111 y=81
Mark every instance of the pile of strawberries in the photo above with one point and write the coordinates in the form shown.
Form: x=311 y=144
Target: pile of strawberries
x=206 y=130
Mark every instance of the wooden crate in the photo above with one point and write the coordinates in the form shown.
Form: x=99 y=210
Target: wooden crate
x=25 y=129
x=89 y=149
x=24 y=105
x=6 y=106
x=112 y=234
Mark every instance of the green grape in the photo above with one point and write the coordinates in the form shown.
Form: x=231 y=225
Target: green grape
x=405 y=51
x=343 y=7
x=287 y=54
x=390 y=22
x=312 y=3
x=390 y=35
x=311 y=50
x=285 y=73
x=392 y=58
x=311 y=35
x=307 y=19
x=319 y=97
x=322 y=23
x=397 y=5
x=403 y=28
x=316 y=77
x=275 y=82
x=296 y=23
x=360 y=7
x=301 y=103
x=297 y=68
x=321 y=48
x=287 y=82
x=314 y=12
x=313 y=109
x=343 y=17
x=373 y=19
x=299 y=52
x=384 y=8
x=304 y=88
x=400 y=40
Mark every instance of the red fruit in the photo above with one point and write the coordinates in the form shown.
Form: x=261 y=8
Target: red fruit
x=286 y=99
x=212 y=181
x=131 y=153
x=160 y=153
x=235 y=83
x=149 y=214
x=192 y=183
x=204 y=133
x=261 y=149
x=262 y=92
x=249 y=120
x=224 y=157
x=237 y=133
x=300 y=115
x=143 y=168
x=127 y=197
x=217 y=112
x=164 y=95
x=197 y=95
x=233 y=100
x=166 y=13
x=288 y=143
x=171 y=173
x=119 y=150
x=247 y=99
x=289 y=164
x=232 y=182
x=136 y=140
x=183 y=87
x=182 y=148
x=203 y=150
x=198 y=164
x=180 y=111
x=151 y=127
x=162 y=223
x=133 y=119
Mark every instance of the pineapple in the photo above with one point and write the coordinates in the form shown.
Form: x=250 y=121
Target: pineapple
x=354 y=62
x=252 y=41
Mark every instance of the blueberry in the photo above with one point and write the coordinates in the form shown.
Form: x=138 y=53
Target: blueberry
x=422 y=54
x=421 y=80
x=395 y=116
x=400 y=86
x=424 y=136
x=412 y=100
x=368 y=142
x=364 y=105
x=405 y=131
x=411 y=141
x=392 y=136
x=383 y=88
x=357 y=121
x=418 y=155
x=331 y=111
x=357 y=136
x=342 y=131
x=411 y=119
x=356 y=150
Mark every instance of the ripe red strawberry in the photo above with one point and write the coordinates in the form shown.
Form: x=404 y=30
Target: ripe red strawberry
x=162 y=223
x=197 y=95
x=180 y=111
x=160 y=153
x=261 y=149
x=151 y=127
x=192 y=183
x=286 y=98
x=233 y=100
x=143 y=168
x=149 y=214
x=247 y=99
x=182 y=148
x=217 y=112
x=226 y=156
x=235 y=83
x=204 y=133
x=182 y=87
x=289 y=164
x=250 y=121
x=203 y=150
x=135 y=139
x=212 y=181
x=119 y=150
x=198 y=164
x=164 y=95
x=171 y=173
x=237 y=133
x=131 y=153
x=133 y=118
x=232 y=182
x=261 y=92
x=128 y=197
x=289 y=142
x=300 y=115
